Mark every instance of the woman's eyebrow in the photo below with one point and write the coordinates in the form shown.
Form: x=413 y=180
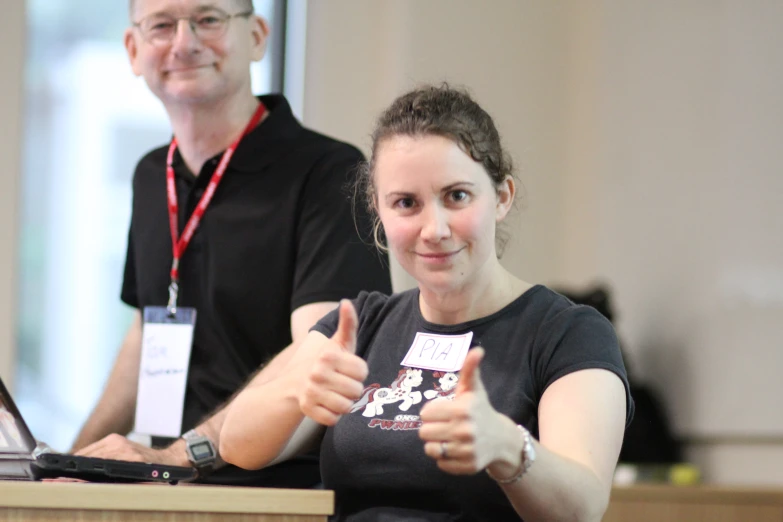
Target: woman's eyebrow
x=397 y=194
x=457 y=184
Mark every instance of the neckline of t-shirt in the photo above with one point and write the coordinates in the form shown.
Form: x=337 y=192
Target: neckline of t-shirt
x=450 y=328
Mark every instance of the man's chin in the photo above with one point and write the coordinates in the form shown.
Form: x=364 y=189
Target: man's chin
x=188 y=94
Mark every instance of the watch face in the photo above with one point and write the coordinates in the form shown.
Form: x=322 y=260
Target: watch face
x=202 y=450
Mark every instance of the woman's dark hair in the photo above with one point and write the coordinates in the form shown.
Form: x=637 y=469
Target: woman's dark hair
x=435 y=111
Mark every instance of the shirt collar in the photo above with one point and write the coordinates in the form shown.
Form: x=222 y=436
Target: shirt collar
x=263 y=145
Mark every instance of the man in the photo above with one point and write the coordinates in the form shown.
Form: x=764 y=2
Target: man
x=275 y=248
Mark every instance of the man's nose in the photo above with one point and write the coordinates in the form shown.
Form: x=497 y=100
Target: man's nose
x=185 y=38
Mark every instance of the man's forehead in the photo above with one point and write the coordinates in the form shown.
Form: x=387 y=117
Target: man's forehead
x=147 y=7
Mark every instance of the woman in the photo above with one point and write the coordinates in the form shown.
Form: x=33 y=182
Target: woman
x=410 y=420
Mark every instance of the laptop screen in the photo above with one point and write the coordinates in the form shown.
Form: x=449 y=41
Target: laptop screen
x=15 y=436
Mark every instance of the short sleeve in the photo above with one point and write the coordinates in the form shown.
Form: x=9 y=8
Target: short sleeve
x=367 y=306
x=333 y=261
x=578 y=338
x=129 y=293
x=327 y=325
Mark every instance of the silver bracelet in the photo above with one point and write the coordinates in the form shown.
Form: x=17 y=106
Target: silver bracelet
x=528 y=457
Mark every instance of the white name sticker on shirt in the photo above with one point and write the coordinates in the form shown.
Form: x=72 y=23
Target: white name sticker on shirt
x=444 y=353
x=165 y=356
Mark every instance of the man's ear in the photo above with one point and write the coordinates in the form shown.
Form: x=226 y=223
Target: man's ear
x=131 y=46
x=259 y=32
x=505 y=193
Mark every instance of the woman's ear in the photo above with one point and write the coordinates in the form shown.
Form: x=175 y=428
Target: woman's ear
x=505 y=193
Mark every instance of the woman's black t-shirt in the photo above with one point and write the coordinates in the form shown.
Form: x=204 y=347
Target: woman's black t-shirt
x=373 y=457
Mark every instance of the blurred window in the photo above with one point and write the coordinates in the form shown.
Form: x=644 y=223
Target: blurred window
x=87 y=121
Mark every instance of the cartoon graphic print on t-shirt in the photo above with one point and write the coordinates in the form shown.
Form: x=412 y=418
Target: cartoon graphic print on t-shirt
x=447 y=384
x=374 y=398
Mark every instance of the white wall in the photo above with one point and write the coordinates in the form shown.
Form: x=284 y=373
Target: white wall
x=646 y=137
x=12 y=34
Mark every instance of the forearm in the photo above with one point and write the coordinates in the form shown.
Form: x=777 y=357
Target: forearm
x=555 y=488
x=265 y=416
x=267 y=423
x=302 y=320
x=259 y=424
x=212 y=426
x=109 y=416
x=177 y=454
x=115 y=410
x=581 y=420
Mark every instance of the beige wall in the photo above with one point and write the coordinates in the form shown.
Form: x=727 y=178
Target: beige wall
x=511 y=56
x=12 y=26
x=677 y=204
x=646 y=136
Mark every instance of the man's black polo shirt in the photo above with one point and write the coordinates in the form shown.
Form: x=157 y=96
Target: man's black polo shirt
x=278 y=234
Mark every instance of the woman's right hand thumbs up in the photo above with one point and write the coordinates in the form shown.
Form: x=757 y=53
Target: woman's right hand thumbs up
x=337 y=376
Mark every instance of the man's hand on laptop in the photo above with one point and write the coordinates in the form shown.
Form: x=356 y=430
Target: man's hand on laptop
x=117 y=447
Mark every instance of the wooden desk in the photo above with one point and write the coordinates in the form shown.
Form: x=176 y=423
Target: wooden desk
x=655 y=503
x=50 y=501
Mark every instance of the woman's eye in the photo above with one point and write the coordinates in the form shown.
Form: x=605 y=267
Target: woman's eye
x=458 y=195
x=404 y=203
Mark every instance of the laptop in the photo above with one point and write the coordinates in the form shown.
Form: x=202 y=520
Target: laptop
x=22 y=459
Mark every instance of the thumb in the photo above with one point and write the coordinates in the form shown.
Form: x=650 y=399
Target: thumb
x=345 y=335
x=469 y=375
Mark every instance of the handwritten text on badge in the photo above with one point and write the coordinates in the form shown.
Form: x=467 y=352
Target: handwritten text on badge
x=165 y=356
x=444 y=353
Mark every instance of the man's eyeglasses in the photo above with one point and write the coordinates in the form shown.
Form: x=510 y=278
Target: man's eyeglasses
x=211 y=24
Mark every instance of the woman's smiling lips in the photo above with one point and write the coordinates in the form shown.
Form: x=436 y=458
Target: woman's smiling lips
x=438 y=257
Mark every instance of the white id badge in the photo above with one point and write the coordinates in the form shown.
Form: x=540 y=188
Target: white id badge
x=165 y=355
x=444 y=353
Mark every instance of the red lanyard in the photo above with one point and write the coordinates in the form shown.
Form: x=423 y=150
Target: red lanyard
x=179 y=244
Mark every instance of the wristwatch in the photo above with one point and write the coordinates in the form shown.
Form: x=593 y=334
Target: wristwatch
x=528 y=457
x=201 y=452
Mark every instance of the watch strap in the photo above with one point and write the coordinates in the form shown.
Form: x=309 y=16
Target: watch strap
x=204 y=466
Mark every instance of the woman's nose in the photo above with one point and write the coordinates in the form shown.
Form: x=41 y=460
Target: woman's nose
x=436 y=224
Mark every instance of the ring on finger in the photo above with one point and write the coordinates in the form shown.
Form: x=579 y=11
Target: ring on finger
x=444 y=454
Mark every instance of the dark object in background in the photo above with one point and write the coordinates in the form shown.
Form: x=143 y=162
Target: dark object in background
x=648 y=439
